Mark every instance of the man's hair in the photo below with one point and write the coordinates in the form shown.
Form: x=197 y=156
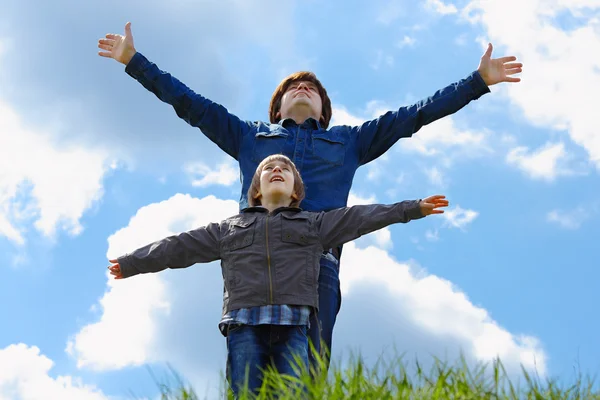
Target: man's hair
x=255 y=185
x=275 y=105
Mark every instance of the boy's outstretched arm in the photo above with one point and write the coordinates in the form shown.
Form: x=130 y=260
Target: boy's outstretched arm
x=220 y=126
x=177 y=251
x=343 y=225
x=375 y=137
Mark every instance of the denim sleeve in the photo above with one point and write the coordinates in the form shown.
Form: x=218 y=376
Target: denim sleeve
x=343 y=225
x=178 y=251
x=223 y=128
x=375 y=137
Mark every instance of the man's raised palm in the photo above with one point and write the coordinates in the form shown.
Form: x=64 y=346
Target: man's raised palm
x=118 y=46
x=496 y=70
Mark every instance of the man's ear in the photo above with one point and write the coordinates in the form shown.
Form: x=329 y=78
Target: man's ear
x=257 y=195
x=278 y=115
x=294 y=196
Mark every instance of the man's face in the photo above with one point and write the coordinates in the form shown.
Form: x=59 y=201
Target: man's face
x=301 y=94
x=276 y=180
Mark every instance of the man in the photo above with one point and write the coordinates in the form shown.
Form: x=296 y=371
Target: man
x=299 y=114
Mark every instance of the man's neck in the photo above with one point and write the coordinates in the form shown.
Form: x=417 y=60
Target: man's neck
x=274 y=204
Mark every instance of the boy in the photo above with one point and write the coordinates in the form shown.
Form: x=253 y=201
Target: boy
x=299 y=114
x=270 y=256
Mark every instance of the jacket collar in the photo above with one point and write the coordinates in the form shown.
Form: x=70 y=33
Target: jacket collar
x=260 y=209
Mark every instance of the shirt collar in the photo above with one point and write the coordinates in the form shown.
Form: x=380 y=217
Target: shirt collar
x=313 y=123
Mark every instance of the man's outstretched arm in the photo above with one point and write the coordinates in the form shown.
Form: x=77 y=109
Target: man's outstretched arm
x=220 y=126
x=375 y=137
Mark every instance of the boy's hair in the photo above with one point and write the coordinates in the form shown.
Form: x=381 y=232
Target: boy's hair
x=255 y=185
x=306 y=76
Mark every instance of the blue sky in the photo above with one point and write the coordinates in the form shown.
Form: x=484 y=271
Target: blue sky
x=92 y=166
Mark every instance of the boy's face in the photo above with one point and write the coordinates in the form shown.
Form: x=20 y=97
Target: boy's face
x=276 y=181
x=301 y=94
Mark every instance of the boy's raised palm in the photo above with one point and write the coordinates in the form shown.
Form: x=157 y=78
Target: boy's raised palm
x=432 y=204
x=118 y=46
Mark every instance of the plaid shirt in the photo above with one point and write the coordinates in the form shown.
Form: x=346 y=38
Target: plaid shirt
x=274 y=314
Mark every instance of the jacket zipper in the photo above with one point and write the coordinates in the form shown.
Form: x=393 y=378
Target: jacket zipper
x=269 y=261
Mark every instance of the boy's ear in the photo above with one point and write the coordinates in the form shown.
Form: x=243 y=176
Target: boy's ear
x=278 y=115
x=295 y=196
x=257 y=195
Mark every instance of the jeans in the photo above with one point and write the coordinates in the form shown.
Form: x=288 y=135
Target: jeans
x=252 y=348
x=330 y=300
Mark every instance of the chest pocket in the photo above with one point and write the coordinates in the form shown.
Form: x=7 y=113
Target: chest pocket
x=329 y=148
x=268 y=143
x=240 y=234
x=296 y=228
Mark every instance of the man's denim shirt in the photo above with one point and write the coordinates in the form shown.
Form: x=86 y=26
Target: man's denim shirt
x=326 y=159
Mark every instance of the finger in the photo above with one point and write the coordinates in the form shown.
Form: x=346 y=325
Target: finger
x=105 y=54
x=437 y=211
x=488 y=52
x=112 y=36
x=513 y=65
x=509 y=79
x=434 y=198
x=128 y=29
x=109 y=42
x=506 y=59
x=513 y=71
x=114 y=261
x=105 y=47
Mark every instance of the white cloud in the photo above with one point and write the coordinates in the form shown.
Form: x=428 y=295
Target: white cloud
x=425 y=315
x=568 y=219
x=42 y=181
x=341 y=116
x=201 y=175
x=432 y=236
x=440 y=7
x=560 y=78
x=381 y=59
x=435 y=176
x=545 y=163
x=443 y=138
x=354 y=200
x=132 y=306
x=24 y=375
x=406 y=41
x=458 y=217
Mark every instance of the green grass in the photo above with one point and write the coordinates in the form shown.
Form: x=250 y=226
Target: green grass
x=395 y=380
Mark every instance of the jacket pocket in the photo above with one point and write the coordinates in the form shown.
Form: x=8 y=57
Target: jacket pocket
x=240 y=233
x=329 y=149
x=295 y=228
x=268 y=143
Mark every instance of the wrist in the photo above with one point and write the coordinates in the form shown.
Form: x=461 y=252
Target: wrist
x=128 y=55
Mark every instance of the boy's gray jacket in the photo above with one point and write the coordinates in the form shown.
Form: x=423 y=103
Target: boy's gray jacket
x=268 y=258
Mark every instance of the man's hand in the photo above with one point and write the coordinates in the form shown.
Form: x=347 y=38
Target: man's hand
x=118 y=46
x=496 y=70
x=432 y=204
x=115 y=269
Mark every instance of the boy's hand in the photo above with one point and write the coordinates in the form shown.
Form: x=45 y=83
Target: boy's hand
x=118 y=46
x=432 y=204
x=115 y=269
x=496 y=70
